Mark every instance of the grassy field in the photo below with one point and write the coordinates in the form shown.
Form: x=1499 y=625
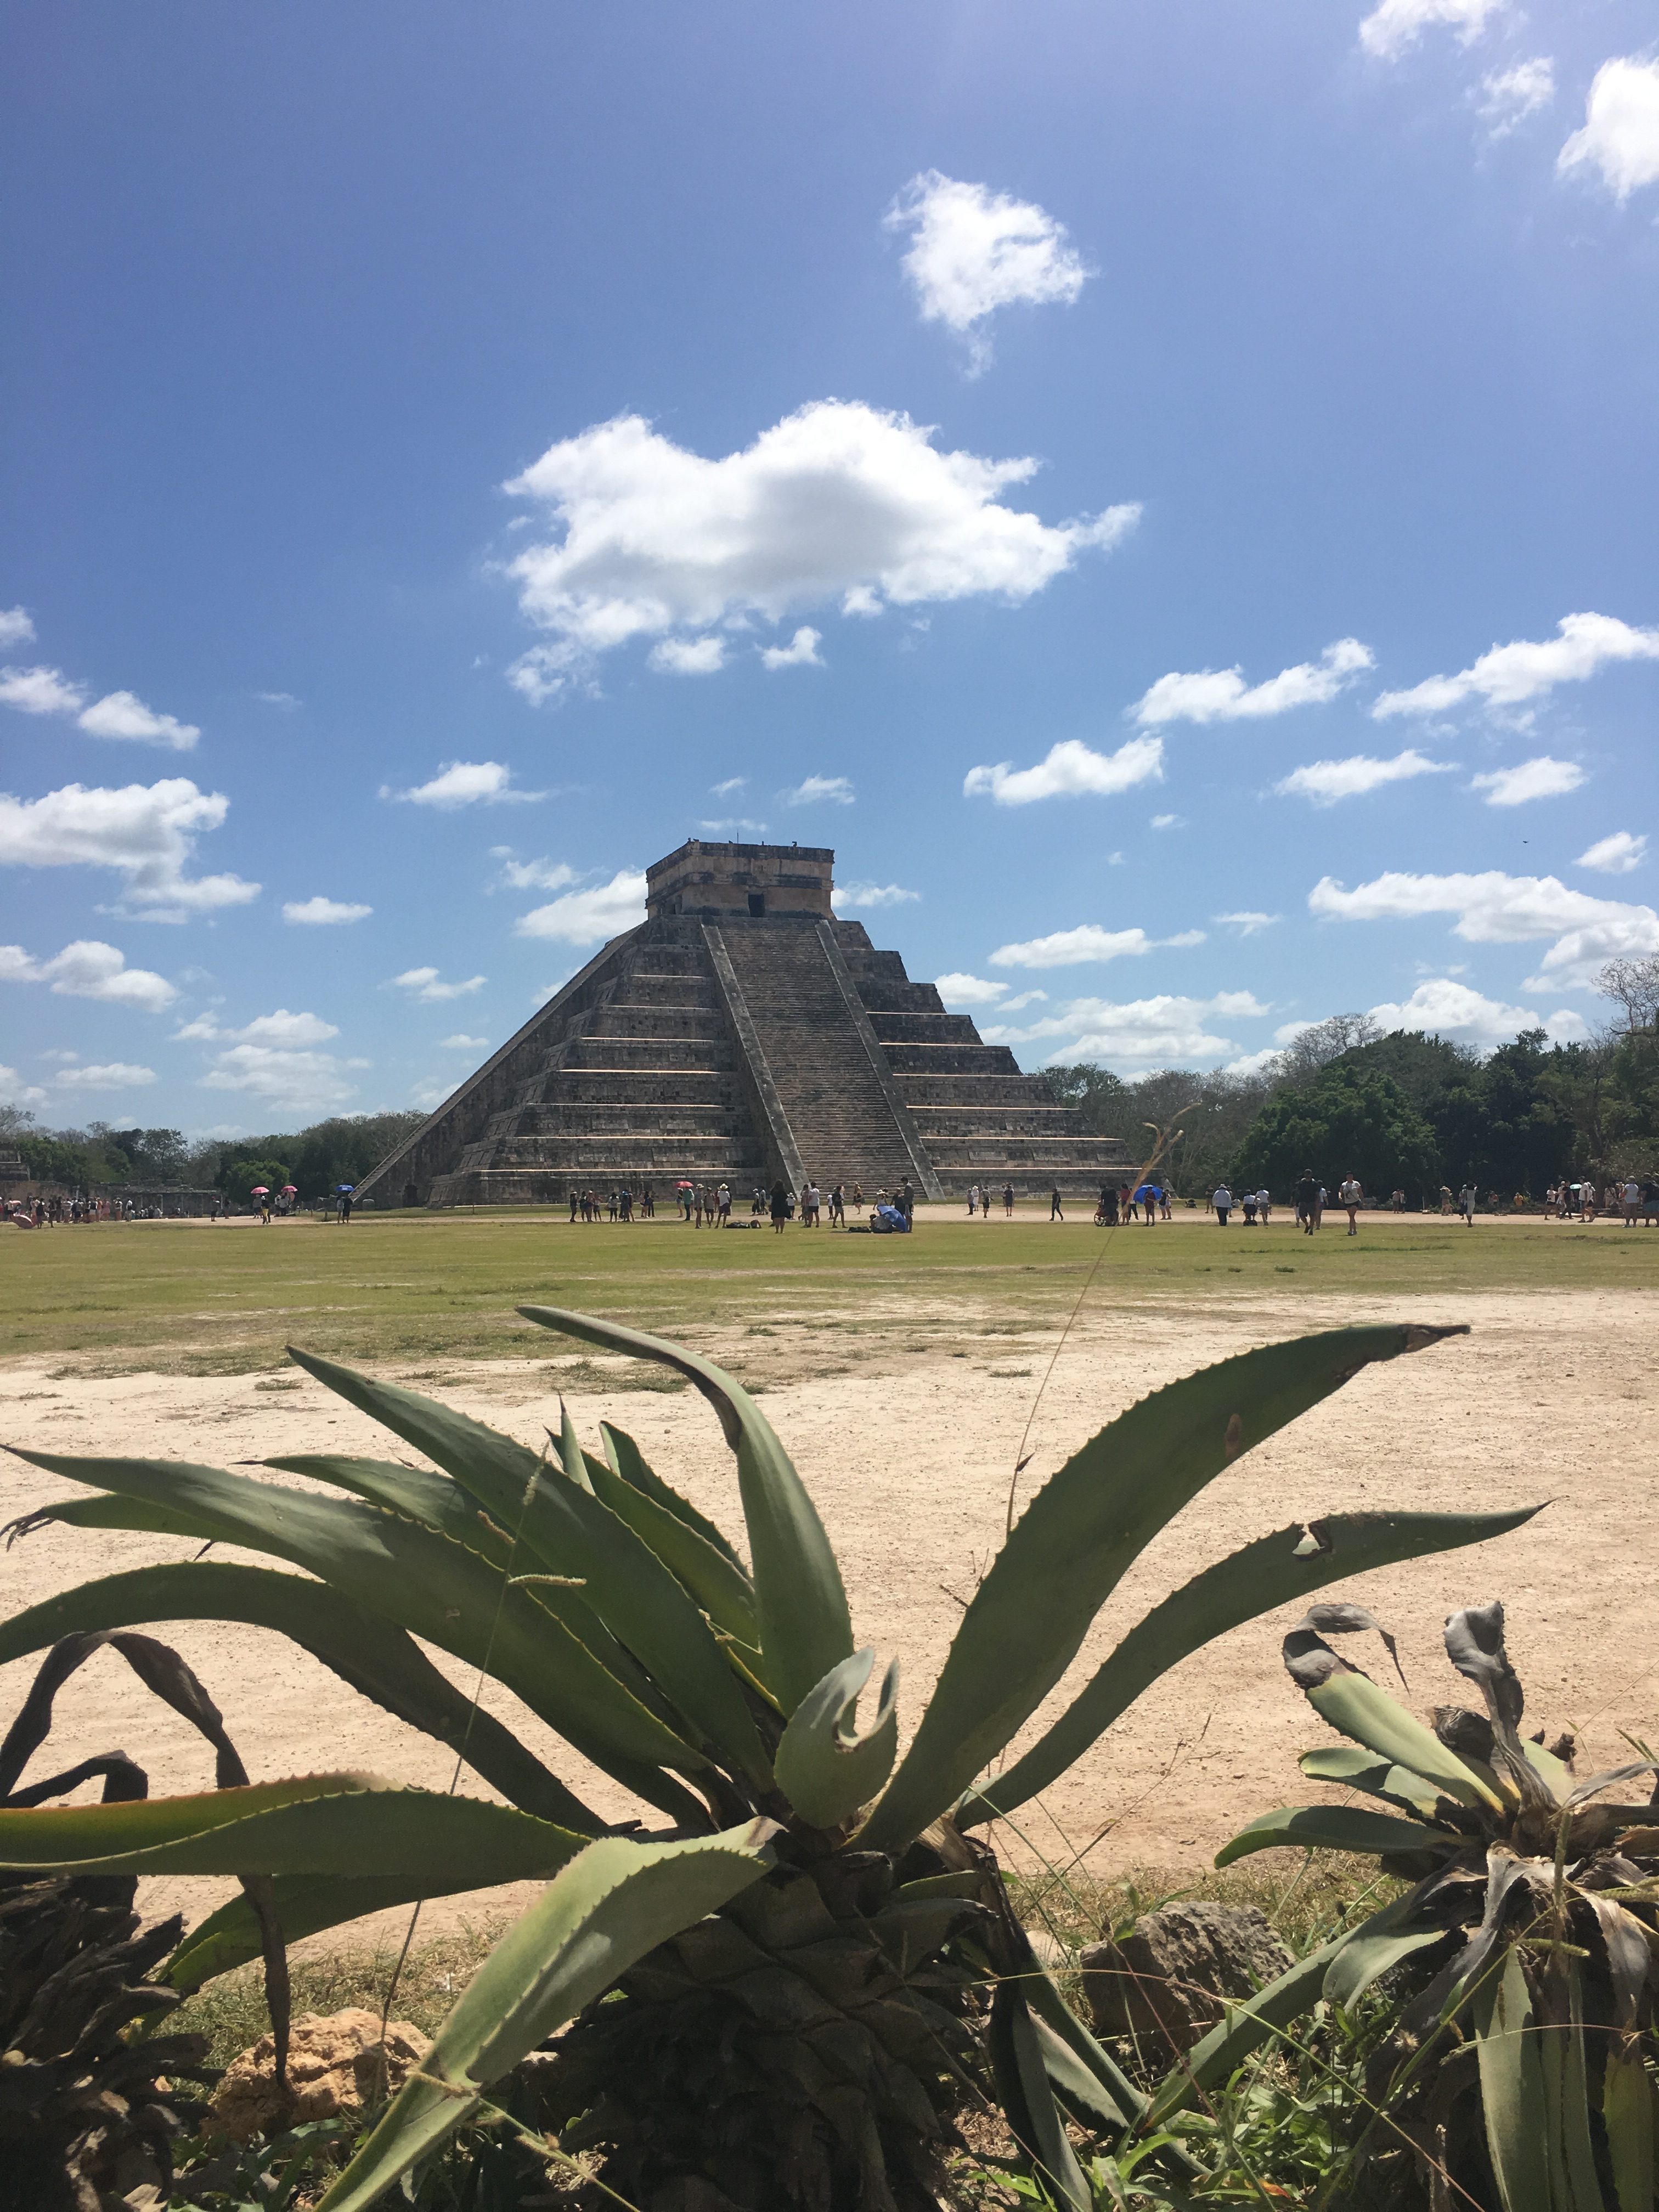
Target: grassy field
x=205 y=1298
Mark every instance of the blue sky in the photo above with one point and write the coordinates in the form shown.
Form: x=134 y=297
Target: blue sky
x=1168 y=493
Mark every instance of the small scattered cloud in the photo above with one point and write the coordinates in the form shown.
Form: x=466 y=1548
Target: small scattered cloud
x=1221 y=695
x=40 y=691
x=801 y=652
x=461 y=1043
x=1168 y=822
x=1619 y=140
x=426 y=985
x=542 y=875
x=592 y=916
x=90 y=969
x=819 y=790
x=466 y=783
x=736 y=827
x=121 y=714
x=958 y=990
x=724 y=790
x=430 y=1093
x=124 y=715
x=16 y=627
x=1446 y=1009
x=1247 y=923
x=285 y=700
x=1396 y=25
x=1167 y=1031
x=1492 y=908
x=1326 y=781
x=1070 y=769
x=108 y=1075
x=850 y=897
x=282 y=1028
x=1507 y=97
x=1072 y=948
x=973 y=250
x=689 y=656
x=1614 y=855
x=1542 y=778
x=148 y=832
x=1513 y=676
x=15 y=1091
x=321 y=913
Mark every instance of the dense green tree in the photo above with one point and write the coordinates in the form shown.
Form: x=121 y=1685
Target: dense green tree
x=240 y=1178
x=156 y=1156
x=1349 y=1120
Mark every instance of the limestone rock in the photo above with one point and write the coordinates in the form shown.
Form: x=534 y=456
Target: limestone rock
x=333 y=2068
x=1163 y=1983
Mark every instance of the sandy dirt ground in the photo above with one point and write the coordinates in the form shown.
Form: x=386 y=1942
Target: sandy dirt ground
x=1551 y=1397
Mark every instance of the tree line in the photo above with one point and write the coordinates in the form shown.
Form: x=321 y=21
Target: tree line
x=342 y=1149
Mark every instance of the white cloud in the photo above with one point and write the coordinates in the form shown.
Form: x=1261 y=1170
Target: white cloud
x=16 y=627
x=973 y=250
x=532 y=875
x=281 y=1028
x=90 y=969
x=724 y=790
x=40 y=691
x=147 y=831
x=962 y=990
x=1495 y=909
x=801 y=652
x=1542 y=778
x=461 y=1043
x=430 y=1093
x=1168 y=822
x=816 y=790
x=124 y=715
x=871 y=895
x=839 y=502
x=466 y=783
x=1514 y=675
x=109 y=1075
x=298 y=1080
x=1621 y=137
x=1252 y=1063
x=1166 y=1032
x=1326 y=781
x=423 y=983
x=1389 y=29
x=1221 y=695
x=319 y=912
x=1508 y=96
x=1453 y=1010
x=689 y=656
x=285 y=700
x=14 y=1091
x=1250 y=923
x=738 y=827
x=1070 y=948
x=1070 y=769
x=1616 y=855
x=588 y=917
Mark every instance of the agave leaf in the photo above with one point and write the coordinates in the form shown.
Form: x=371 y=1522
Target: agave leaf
x=1333 y=1828
x=1274 y=1570
x=1363 y=1769
x=305 y=1904
x=1379 y=1943
x=624 y=1582
x=823 y=1766
x=604 y=1912
x=1512 y=2087
x=1018 y=2061
x=1046 y=2002
x=148 y=1516
x=423 y=1496
x=630 y=1463
x=1240 y=2030
x=334 y=1824
x=363 y=1648
x=1627 y=2098
x=437 y=1587
x=1081 y=1533
x=805 y=1628
x=719 y=1585
x=1357 y=1707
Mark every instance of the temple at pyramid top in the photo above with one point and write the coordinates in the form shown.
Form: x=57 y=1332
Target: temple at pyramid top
x=742 y=1034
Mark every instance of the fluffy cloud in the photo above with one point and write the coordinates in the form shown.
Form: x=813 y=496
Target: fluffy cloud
x=1453 y=1010
x=962 y=990
x=48 y=691
x=689 y=656
x=90 y=969
x=1070 y=770
x=735 y=826
x=466 y=783
x=840 y=502
x=1516 y=674
x=1072 y=948
x=124 y=715
x=532 y=875
x=1327 y=781
x=1389 y=29
x=801 y=652
x=16 y=627
x=846 y=896
x=302 y=1081
x=40 y=691
x=1542 y=778
x=1621 y=137
x=1495 y=909
x=109 y=1075
x=816 y=790
x=14 y=1091
x=1250 y=923
x=461 y=1043
x=281 y=1028
x=148 y=832
x=318 y=913
x=1167 y=1031
x=973 y=250
x=424 y=984
x=1221 y=695
x=1508 y=96
x=1616 y=855
x=590 y=916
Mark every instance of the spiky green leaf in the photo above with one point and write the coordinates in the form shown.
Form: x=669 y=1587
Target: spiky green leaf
x=1333 y=1828
x=631 y=1464
x=1242 y=2029
x=1363 y=1710
x=1508 y=2042
x=823 y=1766
x=713 y=1578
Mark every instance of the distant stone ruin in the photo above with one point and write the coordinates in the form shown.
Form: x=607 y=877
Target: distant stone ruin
x=742 y=1034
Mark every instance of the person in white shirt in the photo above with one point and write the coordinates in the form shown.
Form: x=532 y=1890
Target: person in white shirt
x=1465 y=1205
x=1222 y=1198
x=1351 y=1195
x=1263 y=1205
x=1631 y=1195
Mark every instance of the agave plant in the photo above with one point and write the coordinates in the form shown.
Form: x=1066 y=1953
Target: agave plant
x=1518 y=2067
x=793 y=1963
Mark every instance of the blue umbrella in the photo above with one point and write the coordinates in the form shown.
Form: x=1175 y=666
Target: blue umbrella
x=1149 y=1190
x=345 y=1185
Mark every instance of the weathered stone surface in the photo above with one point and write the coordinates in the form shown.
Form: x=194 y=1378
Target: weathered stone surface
x=333 y=2067
x=1163 y=1983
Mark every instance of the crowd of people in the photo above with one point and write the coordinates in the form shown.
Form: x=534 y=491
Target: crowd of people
x=713 y=1206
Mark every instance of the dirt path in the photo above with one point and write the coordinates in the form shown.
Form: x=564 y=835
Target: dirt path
x=1551 y=1397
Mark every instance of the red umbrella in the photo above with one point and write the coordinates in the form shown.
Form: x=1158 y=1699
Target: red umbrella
x=260 y=1190
x=290 y=1190
x=681 y=1186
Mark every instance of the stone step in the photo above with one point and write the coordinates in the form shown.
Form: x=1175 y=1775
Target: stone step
x=898 y=1025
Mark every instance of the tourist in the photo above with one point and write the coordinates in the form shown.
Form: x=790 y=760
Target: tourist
x=1307 y=1201
x=1445 y=1198
x=838 y=1206
x=1465 y=1205
x=906 y=1202
x=1351 y=1195
x=857 y=1198
x=972 y=1199
x=779 y=1208
x=1106 y=1212
x=1164 y=1201
x=723 y=1205
x=1631 y=1199
x=344 y=1211
x=1008 y=1200
x=1147 y=1196
x=1397 y=1201
x=814 y=1198
x=1247 y=1202
x=1263 y=1205
x=1056 y=1212
x=1222 y=1198
x=625 y=1198
x=647 y=1204
x=575 y=1200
